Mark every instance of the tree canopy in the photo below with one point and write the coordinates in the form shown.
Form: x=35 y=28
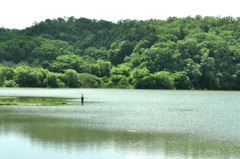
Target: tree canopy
x=177 y=53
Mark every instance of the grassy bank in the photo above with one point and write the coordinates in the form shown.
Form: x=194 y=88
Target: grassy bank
x=35 y=101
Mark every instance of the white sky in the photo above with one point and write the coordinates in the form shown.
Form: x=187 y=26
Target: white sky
x=23 y=13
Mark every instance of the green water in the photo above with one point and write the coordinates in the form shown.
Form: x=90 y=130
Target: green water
x=122 y=124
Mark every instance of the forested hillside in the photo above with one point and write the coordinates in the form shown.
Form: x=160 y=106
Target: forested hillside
x=177 y=53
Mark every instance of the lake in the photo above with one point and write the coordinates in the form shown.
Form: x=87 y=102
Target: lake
x=122 y=124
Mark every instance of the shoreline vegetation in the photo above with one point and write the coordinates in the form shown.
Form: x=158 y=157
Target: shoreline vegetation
x=178 y=53
x=36 y=101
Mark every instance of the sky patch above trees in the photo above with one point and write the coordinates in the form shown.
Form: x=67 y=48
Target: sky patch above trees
x=21 y=14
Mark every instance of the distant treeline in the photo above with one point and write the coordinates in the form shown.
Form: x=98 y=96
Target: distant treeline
x=177 y=53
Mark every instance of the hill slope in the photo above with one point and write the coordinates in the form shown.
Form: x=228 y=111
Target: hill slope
x=181 y=53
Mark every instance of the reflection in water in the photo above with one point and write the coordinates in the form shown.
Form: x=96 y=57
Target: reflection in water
x=69 y=134
x=75 y=129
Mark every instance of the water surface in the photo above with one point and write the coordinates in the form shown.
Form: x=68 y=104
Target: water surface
x=116 y=123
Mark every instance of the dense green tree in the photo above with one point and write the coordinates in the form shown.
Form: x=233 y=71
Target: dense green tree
x=163 y=80
x=64 y=62
x=141 y=78
x=119 y=81
x=193 y=71
x=134 y=60
x=37 y=77
x=1 y=76
x=181 y=53
x=89 y=81
x=71 y=78
x=101 y=68
x=7 y=73
x=22 y=75
x=52 y=80
x=51 y=49
x=162 y=55
x=10 y=83
x=182 y=81
x=96 y=54
x=143 y=44
x=119 y=50
x=12 y=51
x=104 y=68
x=122 y=69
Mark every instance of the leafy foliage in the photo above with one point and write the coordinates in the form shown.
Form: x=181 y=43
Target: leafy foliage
x=179 y=53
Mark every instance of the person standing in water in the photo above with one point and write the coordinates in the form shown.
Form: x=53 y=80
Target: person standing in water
x=82 y=99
